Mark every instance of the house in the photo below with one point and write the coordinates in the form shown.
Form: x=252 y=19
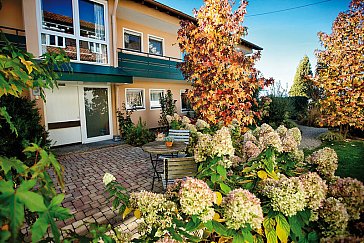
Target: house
x=121 y=51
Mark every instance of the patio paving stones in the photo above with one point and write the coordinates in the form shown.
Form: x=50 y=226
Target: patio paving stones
x=85 y=192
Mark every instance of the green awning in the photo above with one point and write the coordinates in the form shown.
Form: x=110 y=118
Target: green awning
x=95 y=73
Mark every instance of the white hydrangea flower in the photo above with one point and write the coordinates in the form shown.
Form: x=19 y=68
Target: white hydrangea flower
x=222 y=143
x=241 y=207
x=201 y=124
x=287 y=195
x=185 y=120
x=108 y=178
x=196 y=198
x=169 y=119
x=315 y=189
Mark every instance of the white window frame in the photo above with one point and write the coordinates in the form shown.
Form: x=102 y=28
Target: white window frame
x=133 y=32
x=76 y=28
x=180 y=97
x=143 y=108
x=157 y=38
x=150 y=98
x=56 y=41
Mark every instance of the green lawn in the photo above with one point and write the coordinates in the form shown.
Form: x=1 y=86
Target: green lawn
x=351 y=158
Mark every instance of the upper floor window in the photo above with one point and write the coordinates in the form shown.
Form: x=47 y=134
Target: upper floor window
x=92 y=20
x=76 y=26
x=132 y=40
x=155 y=45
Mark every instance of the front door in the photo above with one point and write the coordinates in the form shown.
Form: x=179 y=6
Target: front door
x=96 y=109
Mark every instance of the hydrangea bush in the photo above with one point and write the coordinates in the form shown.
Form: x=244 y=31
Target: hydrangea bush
x=251 y=186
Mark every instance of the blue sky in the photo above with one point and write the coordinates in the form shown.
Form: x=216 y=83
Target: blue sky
x=285 y=36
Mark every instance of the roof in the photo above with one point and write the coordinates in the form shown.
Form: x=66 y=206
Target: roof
x=180 y=15
x=251 y=45
x=164 y=8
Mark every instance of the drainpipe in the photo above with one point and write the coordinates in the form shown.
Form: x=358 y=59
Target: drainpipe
x=116 y=64
x=114 y=33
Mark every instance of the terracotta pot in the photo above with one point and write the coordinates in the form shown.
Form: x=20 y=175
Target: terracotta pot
x=169 y=143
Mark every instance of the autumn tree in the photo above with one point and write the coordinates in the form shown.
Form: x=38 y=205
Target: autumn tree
x=223 y=78
x=340 y=73
x=301 y=81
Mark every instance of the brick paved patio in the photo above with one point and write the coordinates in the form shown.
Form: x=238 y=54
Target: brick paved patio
x=85 y=192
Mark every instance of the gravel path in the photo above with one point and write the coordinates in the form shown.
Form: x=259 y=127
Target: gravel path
x=309 y=136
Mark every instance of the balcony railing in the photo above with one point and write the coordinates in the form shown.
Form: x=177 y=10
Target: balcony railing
x=14 y=36
x=142 y=64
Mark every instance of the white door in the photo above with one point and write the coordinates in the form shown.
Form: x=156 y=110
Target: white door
x=63 y=115
x=95 y=110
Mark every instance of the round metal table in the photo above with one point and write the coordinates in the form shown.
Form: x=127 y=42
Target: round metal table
x=158 y=148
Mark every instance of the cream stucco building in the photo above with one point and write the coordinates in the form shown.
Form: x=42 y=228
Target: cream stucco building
x=122 y=52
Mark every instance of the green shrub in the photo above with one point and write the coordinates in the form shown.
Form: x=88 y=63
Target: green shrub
x=168 y=107
x=299 y=106
x=124 y=119
x=26 y=119
x=330 y=136
x=138 y=135
x=279 y=111
x=311 y=117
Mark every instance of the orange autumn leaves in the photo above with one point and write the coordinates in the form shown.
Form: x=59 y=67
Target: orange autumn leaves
x=224 y=79
x=340 y=71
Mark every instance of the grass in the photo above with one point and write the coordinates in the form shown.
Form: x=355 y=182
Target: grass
x=351 y=158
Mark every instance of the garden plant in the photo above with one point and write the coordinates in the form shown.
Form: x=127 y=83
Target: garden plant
x=263 y=190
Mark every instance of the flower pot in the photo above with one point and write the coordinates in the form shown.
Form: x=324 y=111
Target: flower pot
x=169 y=143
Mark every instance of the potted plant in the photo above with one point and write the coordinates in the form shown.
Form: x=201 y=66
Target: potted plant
x=169 y=141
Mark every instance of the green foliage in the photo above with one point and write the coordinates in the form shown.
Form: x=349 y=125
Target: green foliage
x=311 y=117
x=168 y=107
x=280 y=110
x=119 y=195
x=30 y=189
x=19 y=70
x=330 y=136
x=301 y=82
x=124 y=119
x=138 y=135
x=26 y=119
x=26 y=190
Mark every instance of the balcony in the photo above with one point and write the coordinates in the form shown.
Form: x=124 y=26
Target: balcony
x=141 y=64
x=14 y=36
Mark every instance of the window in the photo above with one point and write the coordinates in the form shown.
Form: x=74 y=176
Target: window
x=92 y=19
x=155 y=95
x=134 y=98
x=132 y=40
x=76 y=26
x=156 y=45
x=185 y=103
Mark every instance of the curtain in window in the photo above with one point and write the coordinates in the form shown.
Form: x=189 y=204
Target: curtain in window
x=99 y=21
x=134 y=97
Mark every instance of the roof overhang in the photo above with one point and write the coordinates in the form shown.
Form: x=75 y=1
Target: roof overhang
x=166 y=9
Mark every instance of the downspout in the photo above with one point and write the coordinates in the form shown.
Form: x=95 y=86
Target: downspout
x=114 y=33
x=116 y=63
